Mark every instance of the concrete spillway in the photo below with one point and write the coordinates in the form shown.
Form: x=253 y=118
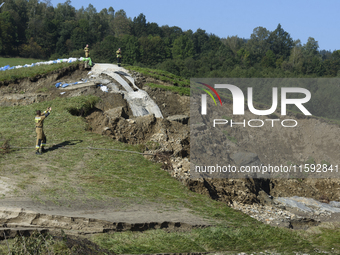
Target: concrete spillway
x=139 y=101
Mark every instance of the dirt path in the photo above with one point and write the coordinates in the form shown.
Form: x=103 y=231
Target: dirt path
x=81 y=214
x=95 y=216
x=29 y=208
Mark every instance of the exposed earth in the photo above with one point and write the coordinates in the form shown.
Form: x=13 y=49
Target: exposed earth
x=111 y=114
x=169 y=139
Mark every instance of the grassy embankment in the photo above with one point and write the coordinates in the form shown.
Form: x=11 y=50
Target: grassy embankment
x=176 y=83
x=14 y=74
x=80 y=174
x=18 y=61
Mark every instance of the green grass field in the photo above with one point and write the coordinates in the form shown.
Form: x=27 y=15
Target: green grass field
x=79 y=173
x=18 y=61
x=179 y=84
x=161 y=75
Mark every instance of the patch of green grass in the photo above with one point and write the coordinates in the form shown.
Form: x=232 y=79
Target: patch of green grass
x=18 y=61
x=211 y=239
x=161 y=75
x=84 y=106
x=27 y=181
x=46 y=243
x=18 y=122
x=43 y=90
x=325 y=237
x=180 y=90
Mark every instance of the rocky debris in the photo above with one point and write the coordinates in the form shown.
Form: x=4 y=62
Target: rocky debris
x=199 y=126
x=157 y=134
x=318 y=189
x=21 y=99
x=179 y=118
x=181 y=168
x=267 y=214
x=235 y=154
x=294 y=212
x=244 y=191
x=18 y=218
x=169 y=135
x=247 y=196
x=140 y=79
x=115 y=113
x=276 y=216
x=334 y=204
x=304 y=223
x=309 y=205
x=169 y=103
x=254 y=201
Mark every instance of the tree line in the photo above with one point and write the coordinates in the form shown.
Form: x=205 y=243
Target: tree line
x=36 y=29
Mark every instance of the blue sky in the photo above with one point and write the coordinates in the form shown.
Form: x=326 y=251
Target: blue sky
x=300 y=18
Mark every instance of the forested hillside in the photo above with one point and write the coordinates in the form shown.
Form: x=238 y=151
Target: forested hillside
x=30 y=28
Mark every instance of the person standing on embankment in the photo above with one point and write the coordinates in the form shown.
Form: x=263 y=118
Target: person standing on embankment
x=39 y=124
x=119 y=56
x=87 y=54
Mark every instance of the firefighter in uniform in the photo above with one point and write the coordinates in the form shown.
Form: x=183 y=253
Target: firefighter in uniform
x=39 y=124
x=87 y=54
x=119 y=56
x=86 y=49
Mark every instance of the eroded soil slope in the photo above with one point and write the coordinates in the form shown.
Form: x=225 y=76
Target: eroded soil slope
x=113 y=117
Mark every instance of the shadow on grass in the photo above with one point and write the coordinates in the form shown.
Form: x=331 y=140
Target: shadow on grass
x=63 y=144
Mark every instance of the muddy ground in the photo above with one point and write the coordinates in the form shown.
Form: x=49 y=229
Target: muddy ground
x=170 y=136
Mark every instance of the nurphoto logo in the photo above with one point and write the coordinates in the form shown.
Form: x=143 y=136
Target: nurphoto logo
x=239 y=102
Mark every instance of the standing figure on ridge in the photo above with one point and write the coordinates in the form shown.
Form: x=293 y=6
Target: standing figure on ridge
x=87 y=54
x=39 y=124
x=86 y=49
x=119 y=56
